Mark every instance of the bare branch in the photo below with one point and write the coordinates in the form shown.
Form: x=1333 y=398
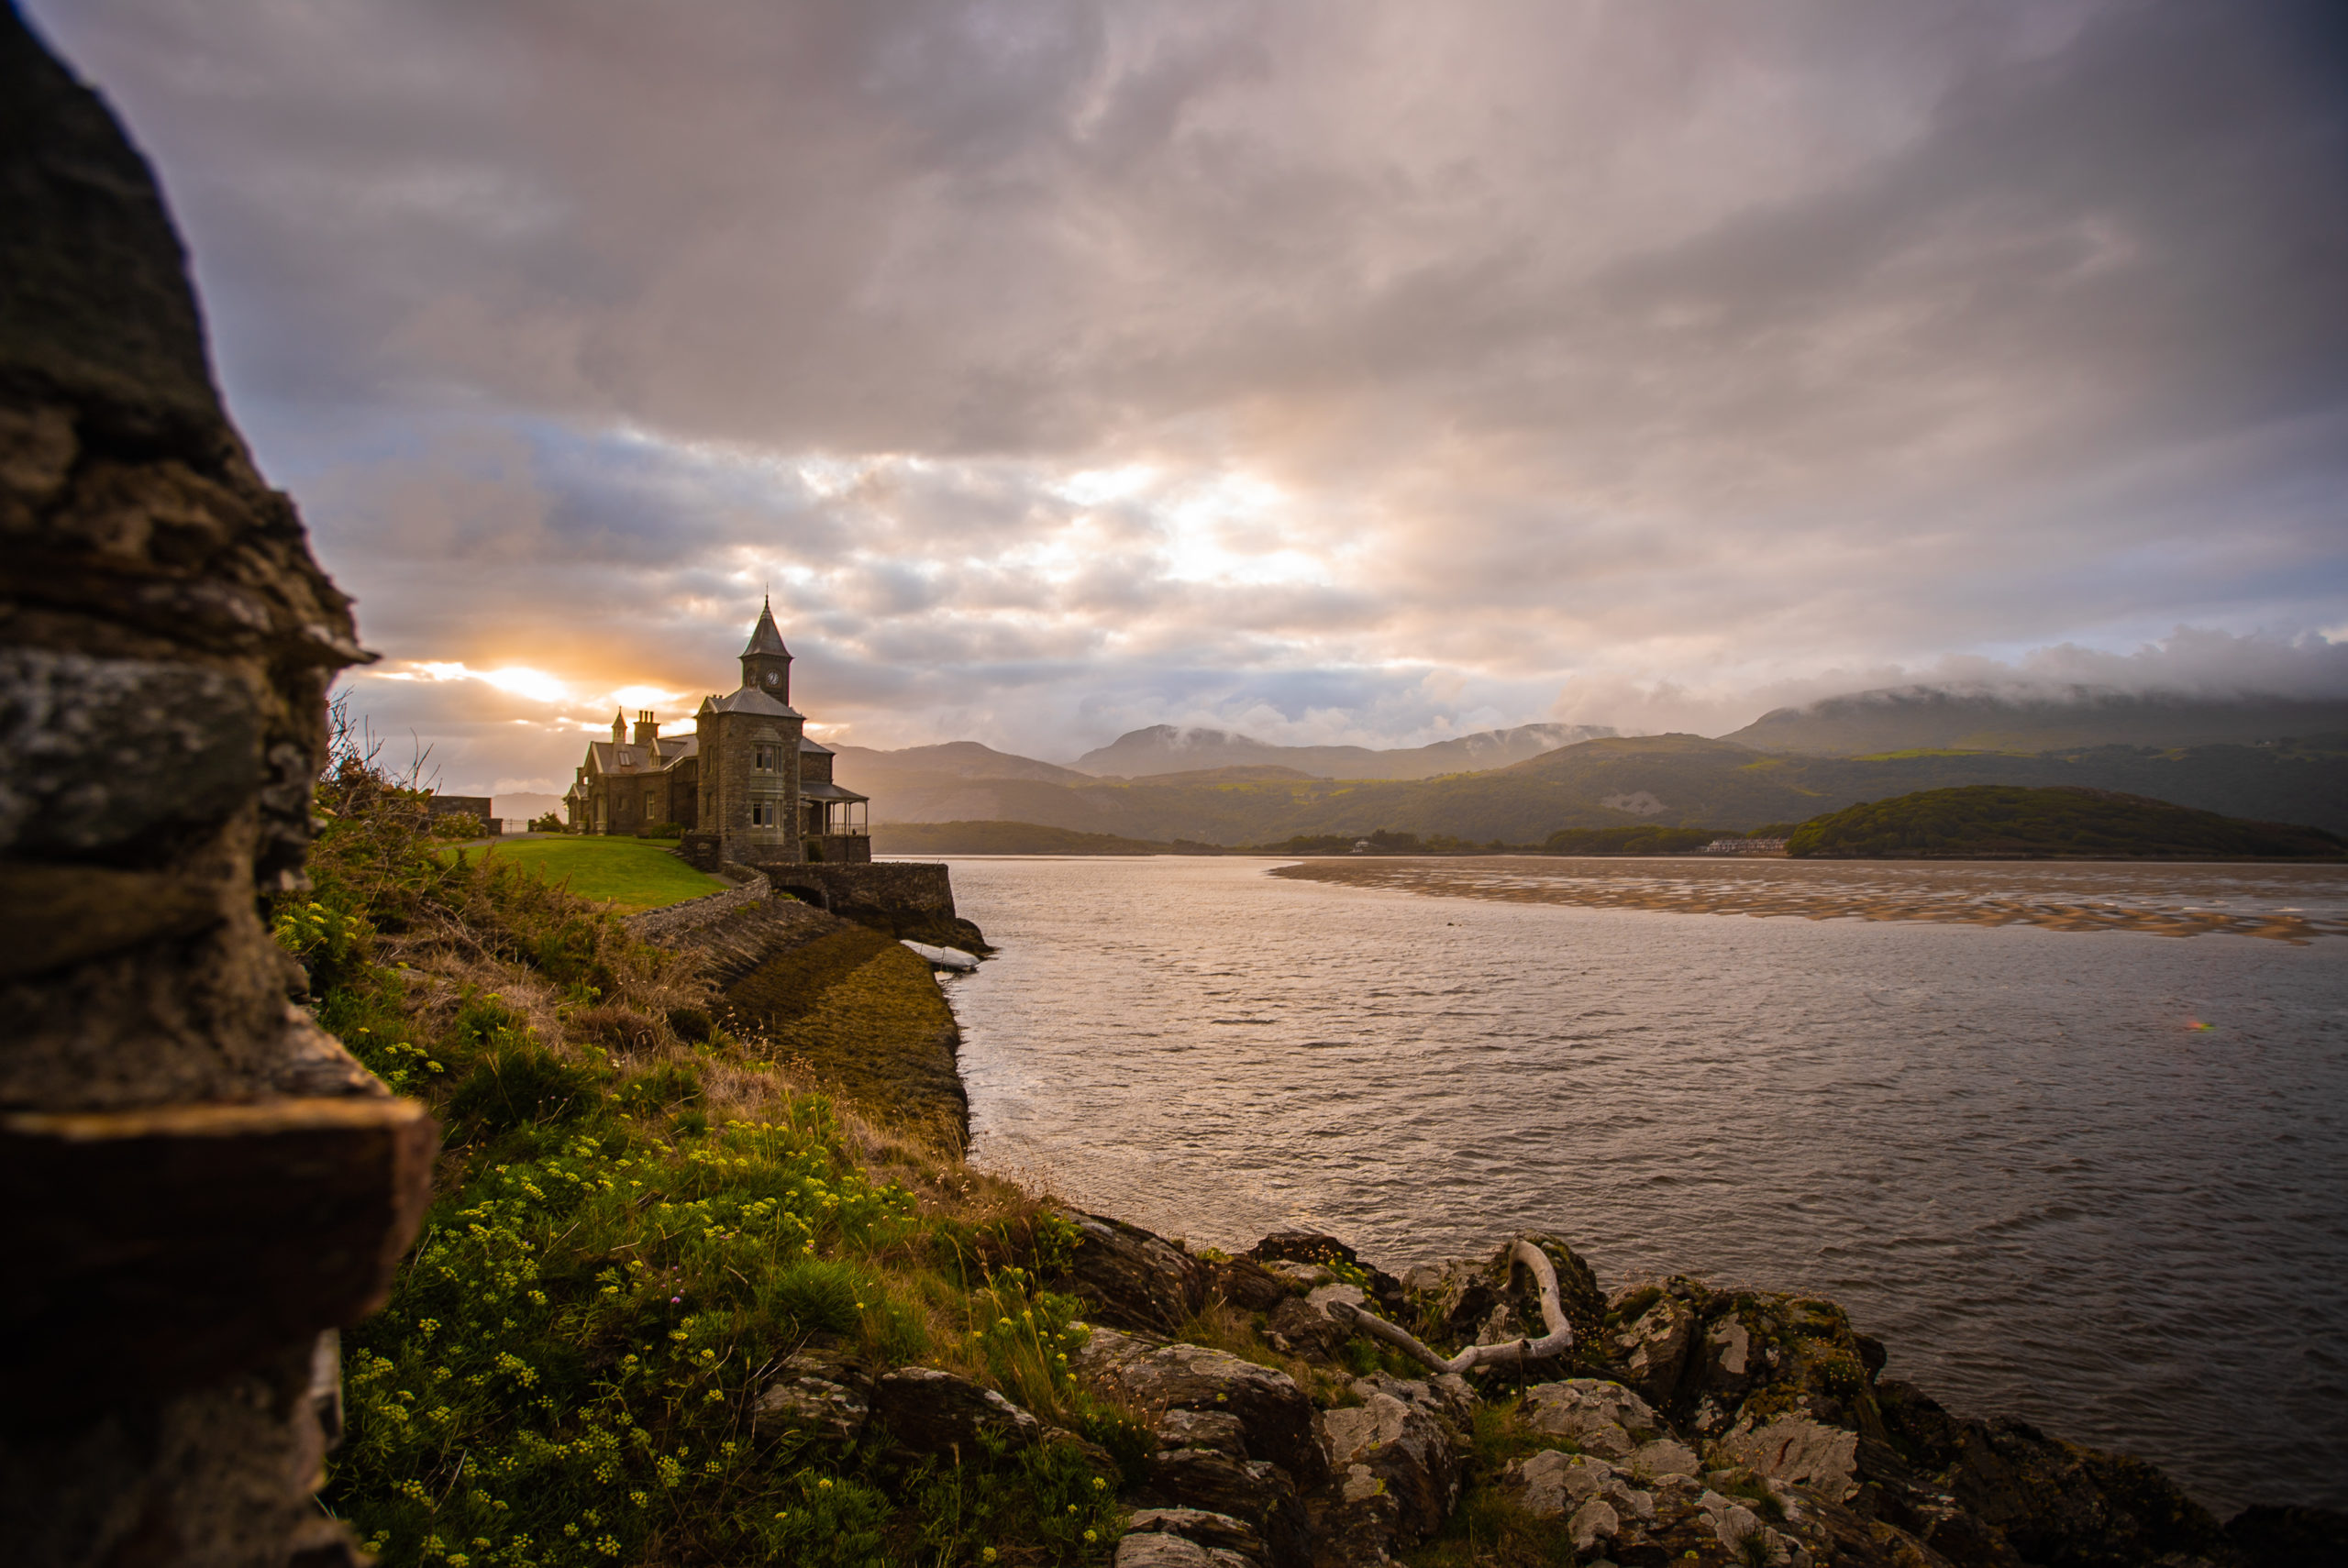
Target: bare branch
x=1556 y=1341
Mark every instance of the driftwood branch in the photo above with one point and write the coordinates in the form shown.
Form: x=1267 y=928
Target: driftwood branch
x=1556 y=1341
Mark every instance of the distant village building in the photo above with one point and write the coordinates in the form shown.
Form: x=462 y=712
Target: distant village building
x=1745 y=846
x=747 y=786
x=468 y=806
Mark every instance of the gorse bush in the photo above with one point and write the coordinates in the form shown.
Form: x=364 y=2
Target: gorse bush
x=641 y=1218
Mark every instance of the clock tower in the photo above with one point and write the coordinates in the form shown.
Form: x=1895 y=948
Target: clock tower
x=766 y=663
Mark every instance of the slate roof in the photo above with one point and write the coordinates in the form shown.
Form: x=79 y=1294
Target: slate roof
x=825 y=790
x=766 y=637
x=750 y=699
x=626 y=757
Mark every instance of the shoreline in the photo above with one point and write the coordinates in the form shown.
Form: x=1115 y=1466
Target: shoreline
x=1728 y=885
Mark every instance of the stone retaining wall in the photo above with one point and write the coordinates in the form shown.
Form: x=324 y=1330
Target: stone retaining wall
x=886 y=894
x=652 y=926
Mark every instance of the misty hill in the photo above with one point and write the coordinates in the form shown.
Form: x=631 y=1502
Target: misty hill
x=1975 y=718
x=1984 y=820
x=1164 y=749
x=953 y=759
x=1665 y=780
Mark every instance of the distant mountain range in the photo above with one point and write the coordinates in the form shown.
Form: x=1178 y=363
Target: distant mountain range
x=1166 y=749
x=1668 y=781
x=1980 y=718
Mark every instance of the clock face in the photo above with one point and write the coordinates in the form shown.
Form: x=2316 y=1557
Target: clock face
x=772 y=676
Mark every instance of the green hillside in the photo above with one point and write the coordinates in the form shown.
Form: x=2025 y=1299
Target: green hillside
x=1923 y=718
x=1656 y=781
x=1989 y=820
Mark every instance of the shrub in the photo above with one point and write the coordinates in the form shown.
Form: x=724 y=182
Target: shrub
x=565 y=1371
x=457 y=824
x=662 y=830
x=551 y=823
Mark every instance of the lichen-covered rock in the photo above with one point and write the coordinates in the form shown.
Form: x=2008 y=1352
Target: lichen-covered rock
x=1152 y=1549
x=1396 y=1437
x=1793 y=1447
x=1203 y=1429
x=929 y=1411
x=1235 y=1537
x=823 y=1392
x=1247 y=1285
x=1133 y=1278
x=1257 y=1492
x=1273 y=1414
x=1335 y=1259
x=1651 y=1335
x=1554 y=1483
x=1611 y=1421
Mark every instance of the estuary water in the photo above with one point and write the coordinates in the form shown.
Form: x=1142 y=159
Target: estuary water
x=2092 y=1174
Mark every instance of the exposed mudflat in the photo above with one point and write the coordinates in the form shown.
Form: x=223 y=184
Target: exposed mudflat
x=2282 y=903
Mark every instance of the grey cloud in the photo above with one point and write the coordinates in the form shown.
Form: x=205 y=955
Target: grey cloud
x=1607 y=346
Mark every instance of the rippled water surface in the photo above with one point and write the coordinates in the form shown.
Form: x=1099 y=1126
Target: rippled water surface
x=2097 y=1179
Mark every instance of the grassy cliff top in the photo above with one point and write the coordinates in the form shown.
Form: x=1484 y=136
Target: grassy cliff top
x=629 y=874
x=1990 y=821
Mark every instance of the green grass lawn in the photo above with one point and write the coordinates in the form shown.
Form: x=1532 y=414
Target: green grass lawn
x=634 y=874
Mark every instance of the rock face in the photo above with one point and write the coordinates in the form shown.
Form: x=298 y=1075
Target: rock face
x=1132 y=1280
x=1240 y=1437
x=1396 y=1462
x=1611 y=1422
x=1696 y=1425
x=165 y=645
x=824 y=1393
x=925 y=1410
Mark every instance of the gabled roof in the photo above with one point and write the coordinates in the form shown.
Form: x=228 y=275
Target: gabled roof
x=766 y=637
x=626 y=757
x=750 y=699
x=815 y=747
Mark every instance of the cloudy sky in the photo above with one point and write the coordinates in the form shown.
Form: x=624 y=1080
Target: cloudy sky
x=1332 y=369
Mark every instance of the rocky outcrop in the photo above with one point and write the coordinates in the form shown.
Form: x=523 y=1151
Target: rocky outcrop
x=1132 y=1280
x=1239 y=1439
x=926 y=1411
x=1696 y=1425
x=1396 y=1463
x=825 y=1394
x=1234 y=1540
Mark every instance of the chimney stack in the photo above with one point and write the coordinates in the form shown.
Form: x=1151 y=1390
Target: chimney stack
x=648 y=728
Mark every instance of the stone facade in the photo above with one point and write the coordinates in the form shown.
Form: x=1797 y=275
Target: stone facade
x=747 y=786
x=630 y=783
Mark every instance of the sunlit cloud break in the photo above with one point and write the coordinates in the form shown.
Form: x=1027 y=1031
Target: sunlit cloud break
x=1359 y=371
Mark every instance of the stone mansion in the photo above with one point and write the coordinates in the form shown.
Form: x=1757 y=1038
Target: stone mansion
x=747 y=786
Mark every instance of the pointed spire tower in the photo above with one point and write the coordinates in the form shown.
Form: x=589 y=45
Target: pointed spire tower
x=766 y=663
x=619 y=727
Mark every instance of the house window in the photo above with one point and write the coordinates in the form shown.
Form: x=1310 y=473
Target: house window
x=764 y=759
x=762 y=814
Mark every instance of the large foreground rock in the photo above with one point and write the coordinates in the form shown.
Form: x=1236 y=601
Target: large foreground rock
x=1133 y=1278
x=1396 y=1462
x=227 y=1190
x=1274 y=1415
x=1610 y=1421
x=930 y=1411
